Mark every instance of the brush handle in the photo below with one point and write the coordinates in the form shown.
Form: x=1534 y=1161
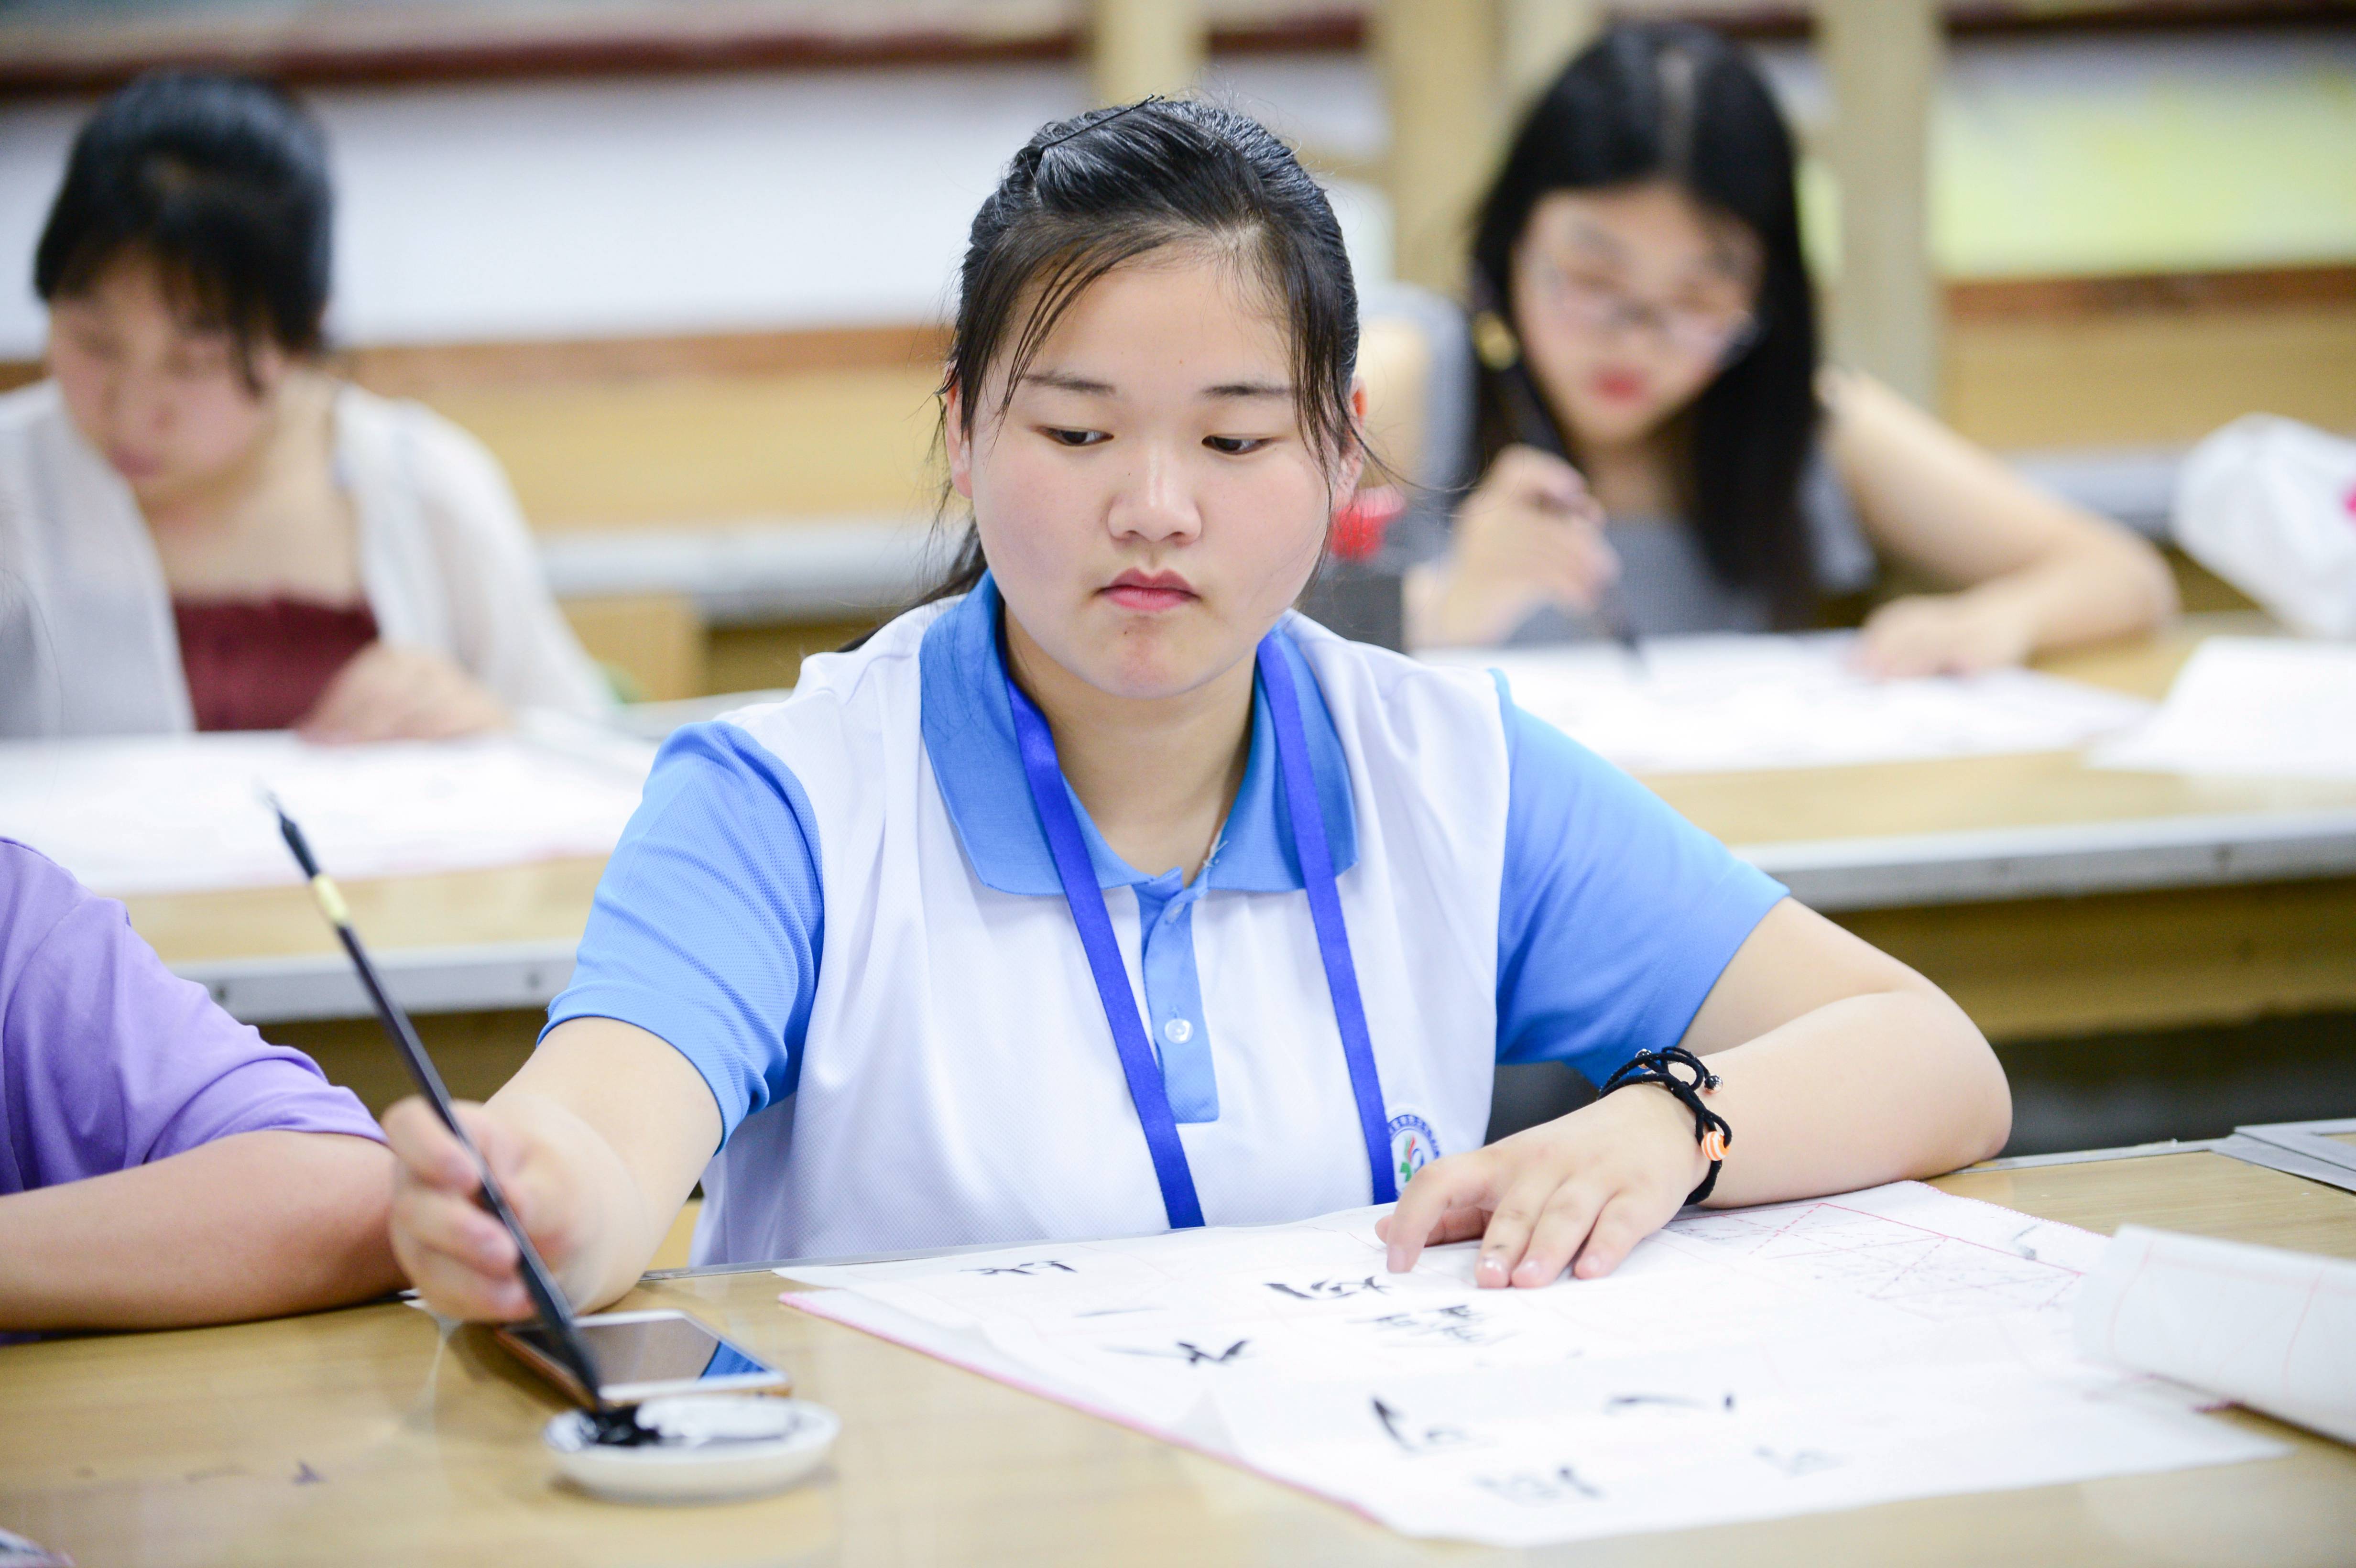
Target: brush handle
x=1529 y=426
x=539 y=1283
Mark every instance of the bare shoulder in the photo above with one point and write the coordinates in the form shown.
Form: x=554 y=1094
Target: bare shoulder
x=1865 y=420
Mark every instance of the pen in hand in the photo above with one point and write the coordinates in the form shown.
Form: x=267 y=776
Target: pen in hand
x=547 y=1296
x=1530 y=426
x=1609 y=610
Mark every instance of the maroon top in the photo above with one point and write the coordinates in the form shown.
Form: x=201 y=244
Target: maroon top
x=262 y=663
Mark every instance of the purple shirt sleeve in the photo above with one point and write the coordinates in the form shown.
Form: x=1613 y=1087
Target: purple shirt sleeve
x=108 y=1059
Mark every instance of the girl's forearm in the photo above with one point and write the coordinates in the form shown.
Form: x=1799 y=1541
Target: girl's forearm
x=613 y=1226
x=2101 y=587
x=252 y=1226
x=1862 y=1091
x=599 y=1139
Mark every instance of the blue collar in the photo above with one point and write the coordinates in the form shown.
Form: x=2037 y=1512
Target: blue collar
x=969 y=737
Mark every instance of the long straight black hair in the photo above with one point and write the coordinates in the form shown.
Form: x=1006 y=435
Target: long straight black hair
x=1675 y=101
x=1087 y=194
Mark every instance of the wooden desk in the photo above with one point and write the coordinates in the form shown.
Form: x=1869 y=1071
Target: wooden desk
x=348 y=1437
x=2049 y=898
x=454 y=941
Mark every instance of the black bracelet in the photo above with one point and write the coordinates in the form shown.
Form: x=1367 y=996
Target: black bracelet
x=1710 y=1130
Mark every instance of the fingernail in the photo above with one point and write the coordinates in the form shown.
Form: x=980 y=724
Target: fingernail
x=1528 y=1274
x=1396 y=1260
x=1493 y=1267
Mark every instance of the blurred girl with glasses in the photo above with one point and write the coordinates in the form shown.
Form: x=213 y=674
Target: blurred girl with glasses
x=1657 y=448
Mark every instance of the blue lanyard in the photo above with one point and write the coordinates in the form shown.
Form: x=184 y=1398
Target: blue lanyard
x=1310 y=847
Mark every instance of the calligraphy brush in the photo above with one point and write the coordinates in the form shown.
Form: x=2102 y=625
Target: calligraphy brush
x=547 y=1296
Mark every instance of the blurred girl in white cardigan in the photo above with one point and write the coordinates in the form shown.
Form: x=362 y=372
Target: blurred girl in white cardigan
x=200 y=528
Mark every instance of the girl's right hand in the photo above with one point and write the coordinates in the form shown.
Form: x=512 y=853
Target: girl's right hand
x=1530 y=534
x=390 y=692
x=456 y=1252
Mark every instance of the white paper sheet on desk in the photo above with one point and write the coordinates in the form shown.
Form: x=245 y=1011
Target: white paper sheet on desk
x=1727 y=703
x=1887 y=1344
x=2254 y=706
x=167 y=814
x=2272 y=1330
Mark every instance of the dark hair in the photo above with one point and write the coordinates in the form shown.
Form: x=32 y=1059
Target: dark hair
x=1676 y=101
x=1085 y=194
x=223 y=181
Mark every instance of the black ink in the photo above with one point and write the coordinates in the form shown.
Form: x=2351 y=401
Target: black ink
x=1539 y=1488
x=1194 y=1355
x=1459 y=1324
x=1417 y=1441
x=1619 y=1401
x=1333 y=1289
x=617 y=1426
x=1800 y=1461
x=1027 y=1271
x=305 y=1476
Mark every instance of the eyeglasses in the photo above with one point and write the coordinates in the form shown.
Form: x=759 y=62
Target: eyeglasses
x=1719 y=333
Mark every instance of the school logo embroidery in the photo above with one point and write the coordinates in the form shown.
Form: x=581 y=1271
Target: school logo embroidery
x=1413 y=1146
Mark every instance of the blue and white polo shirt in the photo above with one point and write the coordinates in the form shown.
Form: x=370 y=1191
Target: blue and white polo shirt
x=841 y=909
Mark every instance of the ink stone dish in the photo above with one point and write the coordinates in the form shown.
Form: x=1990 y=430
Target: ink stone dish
x=693 y=1448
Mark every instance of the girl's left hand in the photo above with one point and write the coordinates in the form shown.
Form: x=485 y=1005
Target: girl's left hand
x=1946 y=634
x=1588 y=1186
x=393 y=693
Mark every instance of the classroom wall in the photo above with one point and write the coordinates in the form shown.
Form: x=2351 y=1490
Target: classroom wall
x=592 y=208
x=2100 y=155
x=599 y=209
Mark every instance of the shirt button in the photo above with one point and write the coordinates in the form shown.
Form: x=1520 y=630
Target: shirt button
x=1178 y=1032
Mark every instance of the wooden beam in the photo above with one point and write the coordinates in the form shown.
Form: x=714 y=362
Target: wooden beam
x=655 y=640
x=2151 y=377
x=1142 y=46
x=517 y=40
x=425 y=369
x=2048 y=968
x=1438 y=59
x=1884 y=58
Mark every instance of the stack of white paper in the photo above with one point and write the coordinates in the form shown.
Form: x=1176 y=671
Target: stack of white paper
x=1727 y=703
x=2272 y=1330
x=2260 y=707
x=1750 y=1364
x=170 y=814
